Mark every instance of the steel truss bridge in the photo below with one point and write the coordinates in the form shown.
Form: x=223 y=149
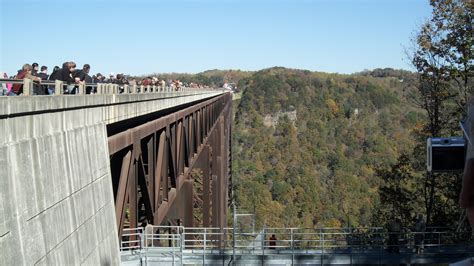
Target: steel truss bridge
x=174 y=170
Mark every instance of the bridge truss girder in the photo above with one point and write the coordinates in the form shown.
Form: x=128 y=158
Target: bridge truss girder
x=175 y=169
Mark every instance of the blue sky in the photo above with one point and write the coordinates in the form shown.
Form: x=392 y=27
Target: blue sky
x=145 y=36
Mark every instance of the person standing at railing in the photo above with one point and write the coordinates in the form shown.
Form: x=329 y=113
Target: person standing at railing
x=55 y=75
x=34 y=69
x=99 y=78
x=163 y=85
x=6 y=87
x=272 y=242
x=37 y=89
x=25 y=72
x=111 y=78
x=67 y=76
x=420 y=227
x=394 y=230
x=147 y=234
x=83 y=76
x=43 y=75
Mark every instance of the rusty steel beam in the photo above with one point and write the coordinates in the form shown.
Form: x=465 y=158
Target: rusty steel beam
x=158 y=158
x=122 y=190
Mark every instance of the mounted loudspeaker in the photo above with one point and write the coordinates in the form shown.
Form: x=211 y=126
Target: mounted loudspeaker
x=446 y=154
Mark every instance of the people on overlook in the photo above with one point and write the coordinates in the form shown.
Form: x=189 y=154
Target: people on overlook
x=35 y=68
x=25 y=72
x=55 y=75
x=37 y=89
x=43 y=75
x=84 y=77
x=66 y=75
x=99 y=78
x=394 y=229
x=419 y=231
x=111 y=78
x=6 y=87
x=72 y=79
x=272 y=242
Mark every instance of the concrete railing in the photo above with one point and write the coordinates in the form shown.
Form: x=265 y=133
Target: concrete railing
x=59 y=87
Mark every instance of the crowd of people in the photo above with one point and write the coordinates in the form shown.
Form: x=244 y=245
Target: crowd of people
x=72 y=77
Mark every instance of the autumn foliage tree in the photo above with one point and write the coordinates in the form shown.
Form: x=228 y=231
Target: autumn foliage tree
x=443 y=58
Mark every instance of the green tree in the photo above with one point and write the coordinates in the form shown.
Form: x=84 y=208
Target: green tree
x=443 y=57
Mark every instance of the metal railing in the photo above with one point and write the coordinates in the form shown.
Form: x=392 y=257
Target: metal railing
x=298 y=241
x=59 y=87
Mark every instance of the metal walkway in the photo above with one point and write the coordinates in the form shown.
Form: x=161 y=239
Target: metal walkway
x=323 y=246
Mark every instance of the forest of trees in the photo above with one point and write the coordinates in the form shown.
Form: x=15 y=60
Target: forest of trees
x=313 y=149
x=355 y=154
x=320 y=170
x=442 y=55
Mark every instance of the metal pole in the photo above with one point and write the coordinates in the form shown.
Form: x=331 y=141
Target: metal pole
x=263 y=245
x=233 y=233
x=204 y=251
x=292 y=248
x=182 y=237
x=439 y=242
x=322 y=253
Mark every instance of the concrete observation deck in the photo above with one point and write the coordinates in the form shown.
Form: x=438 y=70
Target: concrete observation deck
x=56 y=199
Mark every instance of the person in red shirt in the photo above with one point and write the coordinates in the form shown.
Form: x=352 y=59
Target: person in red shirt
x=26 y=72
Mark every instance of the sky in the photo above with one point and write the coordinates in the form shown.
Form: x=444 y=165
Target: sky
x=144 y=36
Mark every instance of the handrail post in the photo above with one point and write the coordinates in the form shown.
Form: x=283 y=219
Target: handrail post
x=58 y=87
x=98 y=89
x=82 y=87
x=142 y=88
x=27 y=87
x=263 y=245
x=153 y=89
x=134 y=88
x=292 y=248
x=204 y=251
x=181 y=248
x=125 y=89
x=439 y=241
x=322 y=252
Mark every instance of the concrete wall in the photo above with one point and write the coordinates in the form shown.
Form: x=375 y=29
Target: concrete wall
x=56 y=199
x=56 y=205
x=108 y=108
